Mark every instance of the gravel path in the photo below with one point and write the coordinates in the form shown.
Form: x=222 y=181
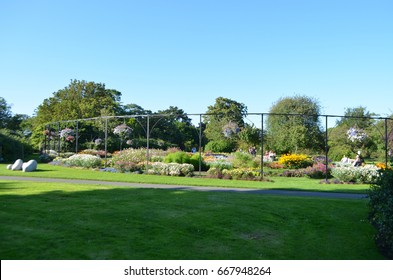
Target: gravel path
x=193 y=188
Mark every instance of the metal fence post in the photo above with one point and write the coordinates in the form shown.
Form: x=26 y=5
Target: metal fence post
x=106 y=140
x=58 y=137
x=76 y=137
x=200 y=144
x=386 y=142
x=262 y=151
x=326 y=148
x=147 y=142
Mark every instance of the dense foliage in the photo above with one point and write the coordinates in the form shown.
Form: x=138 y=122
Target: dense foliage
x=299 y=131
x=381 y=212
x=13 y=145
x=14 y=133
x=224 y=120
x=357 y=131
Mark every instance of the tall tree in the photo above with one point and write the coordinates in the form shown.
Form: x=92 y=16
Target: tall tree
x=8 y=120
x=139 y=123
x=358 y=116
x=225 y=115
x=176 y=127
x=293 y=125
x=356 y=131
x=5 y=113
x=80 y=99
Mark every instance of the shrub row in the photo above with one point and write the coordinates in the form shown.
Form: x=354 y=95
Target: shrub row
x=183 y=157
x=362 y=174
x=81 y=160
x=13 y=146
x=237 y=173
x=317 y=171
x=171 y=169
x=381 y=212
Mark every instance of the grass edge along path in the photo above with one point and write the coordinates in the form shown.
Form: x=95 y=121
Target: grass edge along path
x=190 y=188
x=71 y=221
x=283 y=183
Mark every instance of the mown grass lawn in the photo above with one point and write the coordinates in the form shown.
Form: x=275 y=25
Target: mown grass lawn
x=68 y=221
x=50 y=171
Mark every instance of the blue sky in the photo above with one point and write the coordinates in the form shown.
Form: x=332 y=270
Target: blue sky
x=187 y=53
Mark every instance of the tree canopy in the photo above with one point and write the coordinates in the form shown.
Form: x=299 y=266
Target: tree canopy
x=225 y=112
x=80 y=99
x=5 y=113
x=224 y=120
x=293 y=125
x=359 y=117
x=345 y=140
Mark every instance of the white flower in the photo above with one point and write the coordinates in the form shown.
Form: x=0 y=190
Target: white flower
x=356 y=135
x=83 y=160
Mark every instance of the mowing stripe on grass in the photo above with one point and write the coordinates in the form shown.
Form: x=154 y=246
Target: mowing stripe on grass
x=194 y=188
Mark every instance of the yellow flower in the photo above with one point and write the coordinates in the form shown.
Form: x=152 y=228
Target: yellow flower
x=294 y=160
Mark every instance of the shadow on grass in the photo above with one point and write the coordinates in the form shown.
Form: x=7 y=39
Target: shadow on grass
x=102 y=222
x=42 y=170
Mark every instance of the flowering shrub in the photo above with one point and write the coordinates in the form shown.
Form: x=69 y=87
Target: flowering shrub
x=295 y=160
x=94 y=152
x=275 y=165
x=321 y=159
x=356 y=135
x=48 y=156
x=129 y=160
x=241 y=173
x=127 y=166
x=220 y=164
x=362 y=174
x=130 y=155
x=158 y=168
x=214 y=172
x=81 y=160
x=293 y=173
x=171 y=169
x=65 y=155
x=317 y=171
x=381 y=165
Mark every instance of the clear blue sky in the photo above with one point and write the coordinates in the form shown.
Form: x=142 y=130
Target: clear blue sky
x=186 y=53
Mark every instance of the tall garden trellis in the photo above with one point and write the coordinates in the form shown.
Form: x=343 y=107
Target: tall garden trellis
x=52 y=137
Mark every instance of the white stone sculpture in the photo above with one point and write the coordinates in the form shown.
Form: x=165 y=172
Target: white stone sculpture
x=17 y=165
x=29 y=166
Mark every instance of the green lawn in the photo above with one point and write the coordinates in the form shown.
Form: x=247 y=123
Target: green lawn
x=49 y=171
x=68 y=221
